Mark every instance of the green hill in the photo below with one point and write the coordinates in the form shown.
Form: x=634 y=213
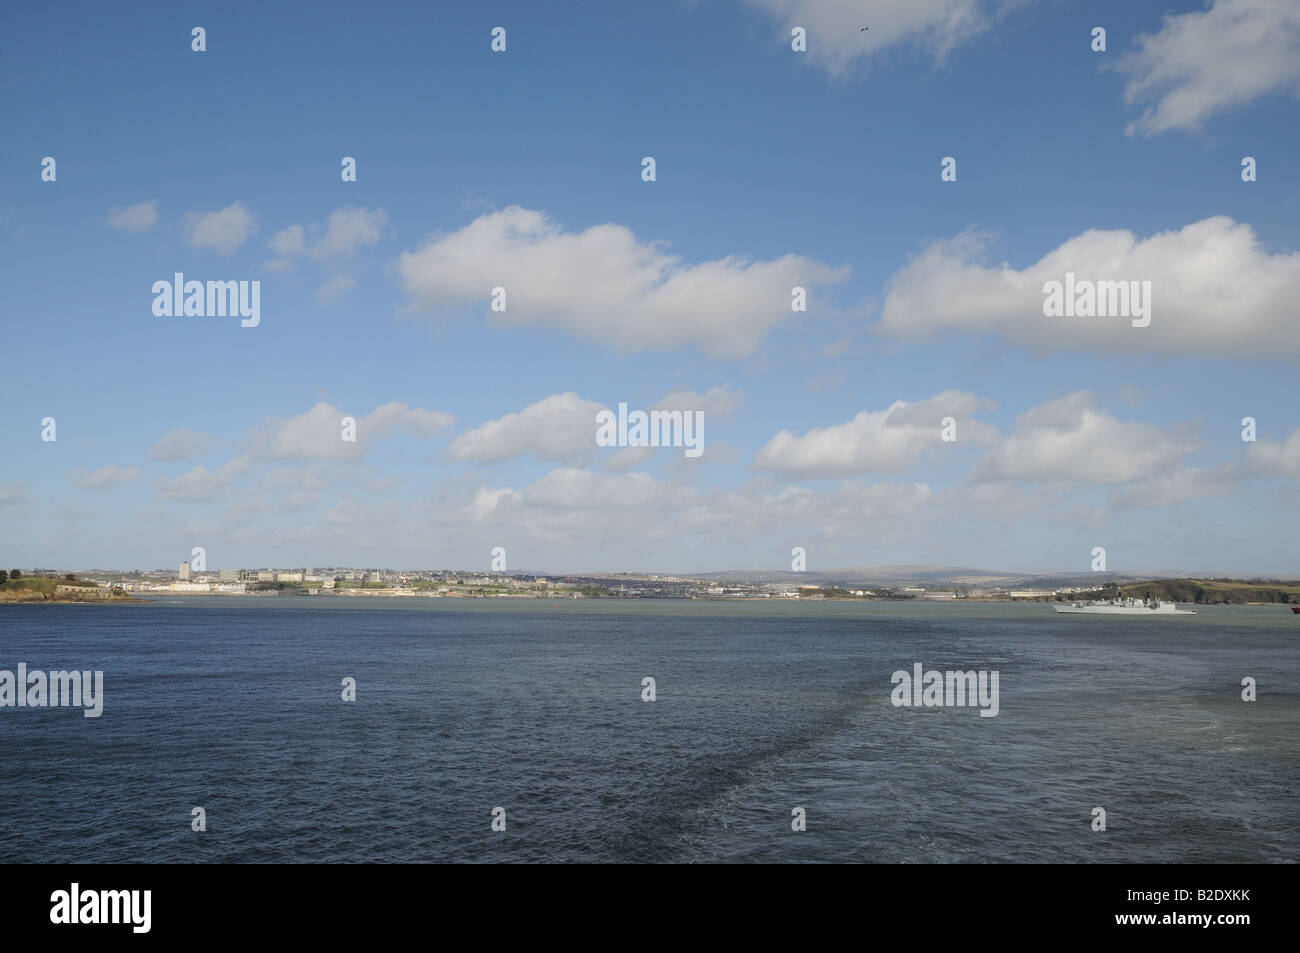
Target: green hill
x=1219 y=591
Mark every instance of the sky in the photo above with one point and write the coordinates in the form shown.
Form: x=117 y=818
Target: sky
x=774 y=169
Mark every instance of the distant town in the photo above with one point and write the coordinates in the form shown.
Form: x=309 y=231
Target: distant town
x=459 y=584
x=898 y=583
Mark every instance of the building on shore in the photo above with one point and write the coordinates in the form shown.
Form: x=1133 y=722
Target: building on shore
x=185 y=572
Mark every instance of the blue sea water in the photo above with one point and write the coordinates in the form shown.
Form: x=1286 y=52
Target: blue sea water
x=462 y=706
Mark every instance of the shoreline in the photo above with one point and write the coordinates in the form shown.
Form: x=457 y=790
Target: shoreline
x=152 y=597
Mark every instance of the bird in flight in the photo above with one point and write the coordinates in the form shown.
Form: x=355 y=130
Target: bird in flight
x=864 y=29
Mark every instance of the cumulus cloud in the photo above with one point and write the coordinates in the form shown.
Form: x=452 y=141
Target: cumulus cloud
x=718 y=403
x=181 y=444
x=348 y=230
x=199 y=484
x=222 y=231
x=882 y=441
x=1261 y=460
x=1180 y=485
x=1268 y=458
x=288 y=241
x=605 y=285
x=332 y=289
x=840 y=513
x=1205 y=62
x=109 y=477
x=563 y=500
x=134 y=218
x=836 y=40
x=318 y=433
x=573 y=489
x=296 y=488
x=1215 y=291
x=1068 y=439
x=561 y=427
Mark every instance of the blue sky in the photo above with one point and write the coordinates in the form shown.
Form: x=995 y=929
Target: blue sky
x=774 y=168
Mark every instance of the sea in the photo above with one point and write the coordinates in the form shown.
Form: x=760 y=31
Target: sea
x=521 y=731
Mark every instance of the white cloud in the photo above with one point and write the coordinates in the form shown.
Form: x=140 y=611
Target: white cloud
x=571 y=489
x=181 y=444
x=561 y=504
x=200 y=485
x=222 y=231
x=837 y=42
x=134 y=218
x=318 y=433
x=1204 y=62
x=605 y=285
x=717 y=404
x=288 y=241
x=1214 y=292
x=1267 y=458
x=295 y=488
x=630 y=457
x=348 y=230
x=1179 y=485
x=397 y=417
x=1067 y=439
x=561 y=427
x=489 y=502
x=313 y=478
x=108 y=477
x=883 y=441
x=332 y=289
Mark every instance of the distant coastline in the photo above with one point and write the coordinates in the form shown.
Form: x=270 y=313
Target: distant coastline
x=100 y=586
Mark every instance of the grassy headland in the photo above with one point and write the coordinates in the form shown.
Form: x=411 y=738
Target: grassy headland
x=57 y=589
x=1237 y=592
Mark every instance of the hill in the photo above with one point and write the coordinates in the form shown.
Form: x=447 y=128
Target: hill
x=1219 y=591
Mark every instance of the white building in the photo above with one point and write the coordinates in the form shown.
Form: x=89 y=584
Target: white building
x=185 y=572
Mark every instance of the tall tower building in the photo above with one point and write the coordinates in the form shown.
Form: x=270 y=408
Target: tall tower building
x=185 y=572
